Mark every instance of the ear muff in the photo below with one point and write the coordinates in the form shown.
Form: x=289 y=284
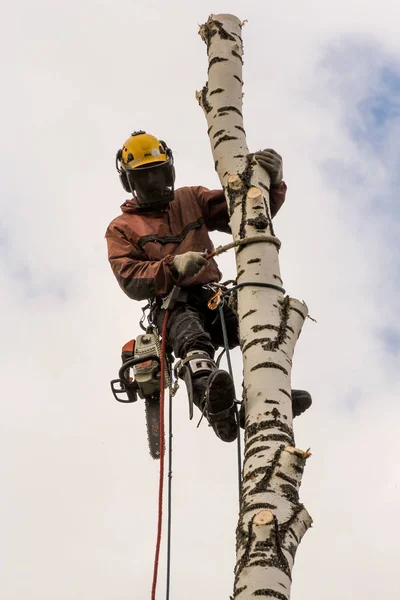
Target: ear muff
x=124 y=182
x=122 y=173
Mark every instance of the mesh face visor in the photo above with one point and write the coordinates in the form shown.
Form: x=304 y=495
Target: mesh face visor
x=152 y=184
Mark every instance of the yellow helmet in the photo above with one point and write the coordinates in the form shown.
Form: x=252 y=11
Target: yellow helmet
x=140 y=151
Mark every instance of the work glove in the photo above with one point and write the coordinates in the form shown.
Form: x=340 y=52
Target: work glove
x=189 y=263
x=271 y=161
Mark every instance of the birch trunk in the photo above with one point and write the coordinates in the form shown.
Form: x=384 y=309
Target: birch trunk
x=272 y=521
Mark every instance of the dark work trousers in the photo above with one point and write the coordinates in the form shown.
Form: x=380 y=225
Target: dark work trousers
x=194 y=326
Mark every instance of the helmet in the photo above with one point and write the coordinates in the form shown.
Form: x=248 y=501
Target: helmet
x=143 y=151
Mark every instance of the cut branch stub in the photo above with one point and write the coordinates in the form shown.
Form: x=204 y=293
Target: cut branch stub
x=254 y=193
x=234 y=182
x=264 y=517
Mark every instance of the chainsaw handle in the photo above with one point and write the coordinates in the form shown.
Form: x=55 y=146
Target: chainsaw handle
x=131 y=362
x=120 y=390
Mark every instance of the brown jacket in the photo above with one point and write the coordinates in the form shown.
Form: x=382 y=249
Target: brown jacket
x=142 y=244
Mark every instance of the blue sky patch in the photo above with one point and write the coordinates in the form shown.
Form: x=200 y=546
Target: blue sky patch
x=391 y=341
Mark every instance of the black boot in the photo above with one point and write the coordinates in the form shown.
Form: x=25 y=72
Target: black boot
x=301 y=400
x=212 y=391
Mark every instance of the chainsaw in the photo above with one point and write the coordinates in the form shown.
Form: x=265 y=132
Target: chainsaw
x=140 y=376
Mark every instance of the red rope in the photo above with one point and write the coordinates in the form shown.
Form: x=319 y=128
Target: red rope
x=162 y=443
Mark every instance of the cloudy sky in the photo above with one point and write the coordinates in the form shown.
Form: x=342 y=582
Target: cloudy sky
x=78 y=489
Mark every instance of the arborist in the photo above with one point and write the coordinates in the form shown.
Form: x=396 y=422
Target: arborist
x=161 y=240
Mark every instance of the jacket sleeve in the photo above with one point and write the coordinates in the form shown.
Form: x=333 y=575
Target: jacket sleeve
x=277 y=195
x=139 y=278
x=215 y=210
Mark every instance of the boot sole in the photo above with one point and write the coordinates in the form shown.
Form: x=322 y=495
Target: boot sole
x=220 y=403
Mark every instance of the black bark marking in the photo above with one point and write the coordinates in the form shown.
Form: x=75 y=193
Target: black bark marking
x=258 y=440
x=204 y=102
x=246 y=180
x=261 y=184
x=267 y=401
x=223 y=114
x=224 y=35
x=208 y=33
x=216 y=165
x=290 y=493
x=260 y=222
x=285 y=392
x=258 y=207
x=257 y=328
x=237 y=56
x=255 y=450
x=209 y=129
x=264 y=425
x=266 y=472
x=240 y=273
x=269 y=365
x=238 y=78
x=240 y=128
x=286 y=478
x=281 y=334
x=229 y=109
x=267 y=341
x=238 y=196
x=240 y=590
x=275 y=413
x=217 y=91
x=270 y=593
x=268 y=212
x=224 y=138
x=285 y=439
x=285 y=527
x=257 y=506
x=219 y=132
x=249 y=313
x=278 y=278
x=244 y=538
x=291 y=548
x=226 y=173
x=215 y=60
x=239 y=156
x=293 y=533
x=299 y=469
x=298 y=311
x=252 y=261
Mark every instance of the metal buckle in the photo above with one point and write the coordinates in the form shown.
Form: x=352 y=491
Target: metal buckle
x=215 y=300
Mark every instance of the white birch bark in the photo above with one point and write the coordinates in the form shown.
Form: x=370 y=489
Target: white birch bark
x=272 y=521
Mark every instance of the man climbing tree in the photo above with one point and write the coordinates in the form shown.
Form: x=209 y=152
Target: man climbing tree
x=161 y=240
